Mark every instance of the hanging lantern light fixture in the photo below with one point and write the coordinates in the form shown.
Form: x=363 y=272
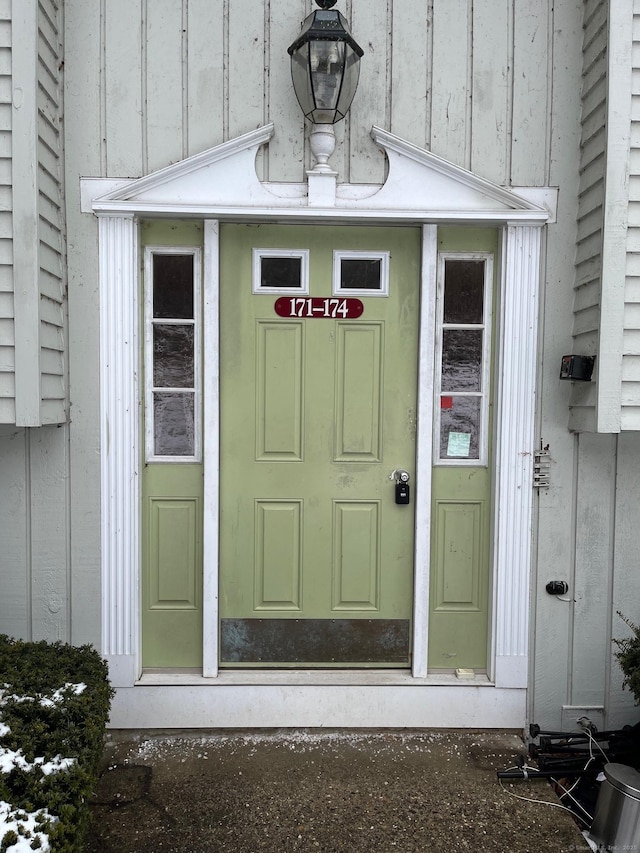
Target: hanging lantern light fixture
x=325 y=65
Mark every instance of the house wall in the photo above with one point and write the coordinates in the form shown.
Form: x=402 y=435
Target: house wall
x=32 y=292
x=587 y=521
x=34 y=531
x=607 y=317
x=34 y=474
x=186 y=76
x=7 y=337
x=591 y=203
x=50 y=220
x=631 y=353
x=490 y=85
x=588 y=535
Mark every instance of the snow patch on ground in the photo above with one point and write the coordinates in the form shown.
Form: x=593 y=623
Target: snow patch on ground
x=152 y=748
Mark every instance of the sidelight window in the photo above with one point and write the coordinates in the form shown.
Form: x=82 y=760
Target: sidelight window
x=172 y=354
x=463 y=349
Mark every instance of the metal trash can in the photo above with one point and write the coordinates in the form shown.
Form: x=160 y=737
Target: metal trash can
x=616 y=824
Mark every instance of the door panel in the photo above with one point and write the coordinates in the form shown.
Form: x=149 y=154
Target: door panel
x=356 y=555
x=172 y=565
x=278 y=566
x=280 y=385
x=174 y=570
x=316 y=412
x=360 y=382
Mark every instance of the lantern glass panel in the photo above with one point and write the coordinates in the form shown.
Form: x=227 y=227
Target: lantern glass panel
x=327 y=64
x=349 y=82
x=301 y=79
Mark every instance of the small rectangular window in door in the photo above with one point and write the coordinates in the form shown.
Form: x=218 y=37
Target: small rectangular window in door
x=172 y=354
x=280 y=271
x=360 y=273
x=463 y=358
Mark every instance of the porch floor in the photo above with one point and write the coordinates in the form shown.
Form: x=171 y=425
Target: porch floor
x=315 y=790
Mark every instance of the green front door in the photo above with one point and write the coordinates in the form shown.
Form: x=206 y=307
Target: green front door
x=318 y=359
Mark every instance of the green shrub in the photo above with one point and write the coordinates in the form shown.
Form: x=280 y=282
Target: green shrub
x=628 y=656
x=47 y=719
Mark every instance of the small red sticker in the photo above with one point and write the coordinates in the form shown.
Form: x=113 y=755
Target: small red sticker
x=446 y=402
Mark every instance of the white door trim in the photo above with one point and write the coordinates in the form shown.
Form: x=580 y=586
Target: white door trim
x=426 y=355
x=120 y=425
x=422 y=490
x=120 y=368
x=211 y=415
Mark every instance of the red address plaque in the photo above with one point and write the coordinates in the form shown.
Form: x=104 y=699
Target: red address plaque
x=334 y=308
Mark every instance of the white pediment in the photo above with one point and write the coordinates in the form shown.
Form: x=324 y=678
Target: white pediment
x=222 y=182
x=224 y=176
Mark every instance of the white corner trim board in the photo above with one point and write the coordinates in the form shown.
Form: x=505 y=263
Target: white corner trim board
x=197 y=188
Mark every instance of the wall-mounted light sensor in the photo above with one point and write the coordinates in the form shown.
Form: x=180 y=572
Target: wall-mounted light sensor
x=557 y=587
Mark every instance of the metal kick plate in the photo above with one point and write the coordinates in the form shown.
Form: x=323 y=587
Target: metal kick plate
x=318 y=641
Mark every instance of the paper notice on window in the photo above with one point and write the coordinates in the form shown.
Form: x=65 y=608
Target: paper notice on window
x=459 y=444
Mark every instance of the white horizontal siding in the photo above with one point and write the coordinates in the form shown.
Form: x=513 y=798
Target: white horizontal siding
x=591 y=200
x=5 y=31
x=632 y=342
x=630 y=393
x=587 y=320
x=631 y=377
x=5 y=208
x=6 y=254
x=7 y=386
x=7 y=410
x=631 y=418
x=50 y=217
x=604 y=245
x=585 y=297
x=31 y=233
x=7 y=333
x=7 y=359
x=52 y=386
x=592 y=170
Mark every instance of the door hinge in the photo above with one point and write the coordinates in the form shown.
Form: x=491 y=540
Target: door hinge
x=542 y=468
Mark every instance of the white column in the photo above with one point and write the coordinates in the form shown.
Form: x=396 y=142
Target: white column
x=422 y=480
x=515 y=452
x=120 y=423
x=211 y=456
